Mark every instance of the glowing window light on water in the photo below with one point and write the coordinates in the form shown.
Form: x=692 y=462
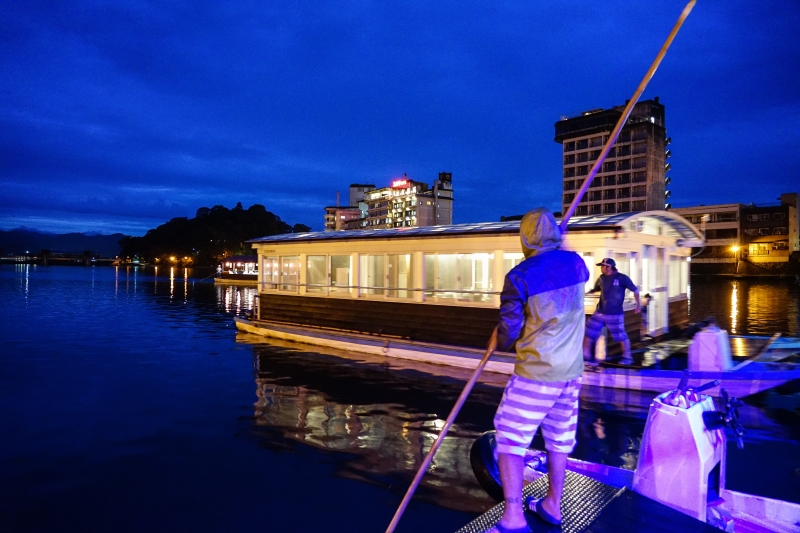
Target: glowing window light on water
x=734 y=306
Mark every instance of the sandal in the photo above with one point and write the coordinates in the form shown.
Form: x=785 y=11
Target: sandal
x=502 y=529
x=534 y=506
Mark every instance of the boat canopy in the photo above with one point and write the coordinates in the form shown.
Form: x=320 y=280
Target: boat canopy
x=649 y=222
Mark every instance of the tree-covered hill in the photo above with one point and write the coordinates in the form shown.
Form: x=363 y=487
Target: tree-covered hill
x=208 y=237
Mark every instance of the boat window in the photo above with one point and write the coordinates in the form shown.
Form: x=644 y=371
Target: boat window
x=340 y=273
x=446 y=278
x=675 y=271
x=588 y=260
x=623 y=263
x=270 y=270
x=289 y=274
x=430 y=276
x=475 y=277
x=510 y=260
x=463 y=277
x=316 y=274
x=372 y=278
x=400 y=275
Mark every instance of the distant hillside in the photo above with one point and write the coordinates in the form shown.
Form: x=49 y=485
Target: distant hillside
x=212 y=234
x=18 y=241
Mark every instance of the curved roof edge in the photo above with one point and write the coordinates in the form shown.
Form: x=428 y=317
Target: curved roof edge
x=682 y=228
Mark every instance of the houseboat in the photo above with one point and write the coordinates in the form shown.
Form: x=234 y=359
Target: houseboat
x=441 y=285
x=432 y=294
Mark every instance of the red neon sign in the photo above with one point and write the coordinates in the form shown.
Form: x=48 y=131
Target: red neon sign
x=400 y=184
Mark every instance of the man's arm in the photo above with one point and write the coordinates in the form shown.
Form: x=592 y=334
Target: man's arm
x=635 y=290
x=512 y=315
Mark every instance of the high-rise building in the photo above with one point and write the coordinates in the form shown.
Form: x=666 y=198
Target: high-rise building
x=405 y=203
x=633 y=175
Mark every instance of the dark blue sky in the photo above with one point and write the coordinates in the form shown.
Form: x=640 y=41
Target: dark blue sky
x=117 y=116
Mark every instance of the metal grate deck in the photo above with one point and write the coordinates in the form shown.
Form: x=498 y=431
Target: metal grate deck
x=584 y=499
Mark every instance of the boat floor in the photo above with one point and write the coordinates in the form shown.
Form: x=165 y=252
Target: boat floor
x=593 y=506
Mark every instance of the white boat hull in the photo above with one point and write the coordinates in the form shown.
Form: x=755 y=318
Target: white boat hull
x=737 y=383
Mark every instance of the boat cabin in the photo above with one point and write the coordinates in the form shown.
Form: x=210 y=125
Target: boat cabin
x=239 y=267
x=442 y=284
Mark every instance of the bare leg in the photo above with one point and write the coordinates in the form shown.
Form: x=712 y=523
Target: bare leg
x=556 y=473
x=626 y=350
x=587 y=349
x=511 y=467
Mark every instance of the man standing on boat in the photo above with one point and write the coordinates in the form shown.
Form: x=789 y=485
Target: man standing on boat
x=541 y=312
x=609 y=313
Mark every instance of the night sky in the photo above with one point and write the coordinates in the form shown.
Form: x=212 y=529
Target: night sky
x=117 y=116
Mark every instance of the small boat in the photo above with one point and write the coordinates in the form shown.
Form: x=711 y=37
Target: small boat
x=238 y=270
x=681 y=465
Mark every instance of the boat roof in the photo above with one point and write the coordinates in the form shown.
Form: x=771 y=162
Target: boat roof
x=675 y=225
x=241 y=259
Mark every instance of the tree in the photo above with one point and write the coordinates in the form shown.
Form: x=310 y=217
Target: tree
x=213 y=234
x=300 y=228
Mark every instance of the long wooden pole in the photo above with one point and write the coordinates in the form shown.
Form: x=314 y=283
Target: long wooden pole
x=625 y=114
x=429 y=457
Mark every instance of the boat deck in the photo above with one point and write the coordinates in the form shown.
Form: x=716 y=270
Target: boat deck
x=594 y=507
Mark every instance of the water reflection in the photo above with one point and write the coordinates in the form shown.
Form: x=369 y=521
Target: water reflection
x=385 y=415
x=328 y=404
x=734 y=306
x=747 y=306
x=236 y=299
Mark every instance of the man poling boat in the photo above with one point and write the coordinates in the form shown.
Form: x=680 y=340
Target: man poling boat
x=547 y=508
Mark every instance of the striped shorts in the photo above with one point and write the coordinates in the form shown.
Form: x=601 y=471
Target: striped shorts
x=614 y=323
x=527 y=404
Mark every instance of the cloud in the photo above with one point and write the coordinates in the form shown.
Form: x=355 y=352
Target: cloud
x=143 y=109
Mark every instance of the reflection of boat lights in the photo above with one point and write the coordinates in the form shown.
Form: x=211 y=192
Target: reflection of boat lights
x=734 y=306
x=739 y=345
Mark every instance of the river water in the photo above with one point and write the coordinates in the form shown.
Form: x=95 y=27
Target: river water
x=130 y=403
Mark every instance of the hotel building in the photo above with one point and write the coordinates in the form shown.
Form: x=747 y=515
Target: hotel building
x=406 y=203
x=633 y=175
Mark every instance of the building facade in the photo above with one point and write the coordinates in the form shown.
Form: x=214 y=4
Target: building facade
x=770 y=232
x=405 y=203
x=745 y=238
x=633 y=175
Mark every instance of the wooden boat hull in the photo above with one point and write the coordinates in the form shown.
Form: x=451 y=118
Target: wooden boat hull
x=755 y=378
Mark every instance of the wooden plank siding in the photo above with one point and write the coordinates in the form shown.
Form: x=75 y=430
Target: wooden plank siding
x=678 y=314
x=443 y=324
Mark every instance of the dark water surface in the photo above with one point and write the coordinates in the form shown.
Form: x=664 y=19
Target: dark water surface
x=128 y=402
x=747 y=306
